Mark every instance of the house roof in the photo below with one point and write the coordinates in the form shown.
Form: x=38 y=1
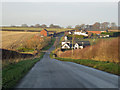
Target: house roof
x=45 y=30
x=97 y=32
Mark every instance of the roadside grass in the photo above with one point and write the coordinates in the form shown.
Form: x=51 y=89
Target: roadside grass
x=107 y=66
x=12 y=73
x=50 y=44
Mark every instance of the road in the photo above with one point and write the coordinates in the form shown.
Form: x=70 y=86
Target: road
x=52 y=73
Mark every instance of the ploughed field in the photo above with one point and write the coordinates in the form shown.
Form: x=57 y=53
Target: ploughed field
x=11 y=40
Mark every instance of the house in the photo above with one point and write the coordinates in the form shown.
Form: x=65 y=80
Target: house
x=44 y=32
x=65 y=38
x=78 y=46
x=70 y=45
x=77 y=32
x=105 y=36
x=70 y=32
x=65 y=43
x=66 y=46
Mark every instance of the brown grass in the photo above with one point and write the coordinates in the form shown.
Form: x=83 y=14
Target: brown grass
x=12 y=40
x=104 y=50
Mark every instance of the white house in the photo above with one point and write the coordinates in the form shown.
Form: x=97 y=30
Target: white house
x=80 y=33
x=65 y=38
x=69 y=32
x=65 y=43
x=81 y=47
x=105 y=36
x=77 y=46
x=66 y=46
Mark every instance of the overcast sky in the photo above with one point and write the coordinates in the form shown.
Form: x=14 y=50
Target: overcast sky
x=62 y=13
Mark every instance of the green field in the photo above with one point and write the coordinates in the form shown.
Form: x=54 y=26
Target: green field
x=32 y=28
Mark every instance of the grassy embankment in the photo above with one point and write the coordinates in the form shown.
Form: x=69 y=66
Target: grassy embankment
x=101 y=65
x=12 y=73
x=103 y=55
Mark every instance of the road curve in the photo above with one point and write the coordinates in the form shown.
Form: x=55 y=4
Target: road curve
x=52 y=73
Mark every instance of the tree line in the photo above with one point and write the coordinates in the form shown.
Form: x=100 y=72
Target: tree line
x=95 y=26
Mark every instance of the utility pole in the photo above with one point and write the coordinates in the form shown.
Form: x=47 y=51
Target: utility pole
x=72 y=44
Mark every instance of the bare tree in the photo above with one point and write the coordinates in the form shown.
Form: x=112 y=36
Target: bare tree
x=82 y=26
x=37 y=25
x=96 y=26
x=105 y=25
x=113 y=25
x=51 y=26
x=77 y=27
x=24 y=25
x=44 y=26
x=69 y=27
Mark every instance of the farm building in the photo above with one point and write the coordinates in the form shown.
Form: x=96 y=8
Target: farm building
x=66 y=46
x=96 y=32
x=77 y=32
x=69 y=46
x=44 y=32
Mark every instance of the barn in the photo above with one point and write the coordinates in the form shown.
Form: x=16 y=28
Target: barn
x=44 y=32
x=96 y=32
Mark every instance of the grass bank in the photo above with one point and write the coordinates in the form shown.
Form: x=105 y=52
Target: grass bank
x=50 y=44
x=101 y=65
x=12 y=73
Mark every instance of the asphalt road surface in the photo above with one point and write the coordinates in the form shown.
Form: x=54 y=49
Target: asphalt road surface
x=52 y=73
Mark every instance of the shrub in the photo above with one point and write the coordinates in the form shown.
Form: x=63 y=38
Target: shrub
x=37 y=42
x=104 y=50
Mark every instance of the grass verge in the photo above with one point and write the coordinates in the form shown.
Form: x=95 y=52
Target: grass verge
x=50 y=44
x=101 y=65
x=14 y=72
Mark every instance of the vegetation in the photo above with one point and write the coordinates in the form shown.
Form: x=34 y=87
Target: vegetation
x=104 y=50
x=50 y=44
x=113 y=34
x=101 y=65
x=37 y=43
x=76 y=36
x=97 y=26
x=33 y=28
x=14 y=40
x=96 y=40
x=12 y=73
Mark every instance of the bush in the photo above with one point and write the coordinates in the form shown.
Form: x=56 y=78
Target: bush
x=22 y=49
x=37 y=42
x=104 y=50
x=76 y=36
x=113 y=34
